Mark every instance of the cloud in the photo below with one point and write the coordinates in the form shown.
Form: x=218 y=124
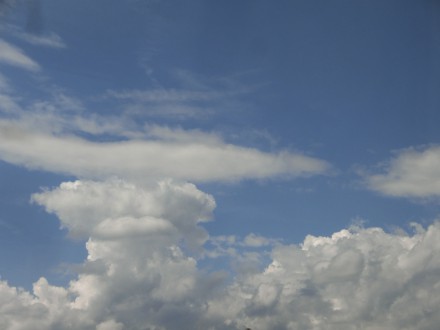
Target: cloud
x=133 y=210
x=178 y=104
x=193 y=97
x=143 y=159
x=140 y=272
x=12 y=55
x=412 y=173
x=367 y=278
x=253 y=240
x=165 y=95
x=8 y=104
x=50 y=39
x=136 y=274
x=55 y=133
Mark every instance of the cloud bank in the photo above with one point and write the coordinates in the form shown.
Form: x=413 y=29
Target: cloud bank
x=181 y=156
x=143 y=272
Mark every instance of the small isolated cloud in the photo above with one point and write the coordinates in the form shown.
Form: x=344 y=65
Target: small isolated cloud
x=12 y=55
x=412 y=173
x=140 y=272
x=253 y=240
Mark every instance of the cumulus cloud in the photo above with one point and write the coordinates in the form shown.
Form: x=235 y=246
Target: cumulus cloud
x=136 y=274
x=12 y=55
x=118 y=209
x=140 y=159
x=364 y=279
x=412 y=173
x=142 y=270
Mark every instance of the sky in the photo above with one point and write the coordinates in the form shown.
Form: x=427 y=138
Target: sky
x=219 y=164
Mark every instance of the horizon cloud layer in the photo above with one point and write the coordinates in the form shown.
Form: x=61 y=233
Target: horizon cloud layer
x=140 y=271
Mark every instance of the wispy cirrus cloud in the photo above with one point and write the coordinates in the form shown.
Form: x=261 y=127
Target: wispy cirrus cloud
x=190 y=97
x=12 y=55
x=36 y=38
x=167 y=103
x=164 y=95
x=51 y=40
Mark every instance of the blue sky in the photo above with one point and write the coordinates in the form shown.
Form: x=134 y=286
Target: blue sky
x=298 y=120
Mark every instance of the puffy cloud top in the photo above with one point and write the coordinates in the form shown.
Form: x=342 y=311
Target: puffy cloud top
x=139 y=273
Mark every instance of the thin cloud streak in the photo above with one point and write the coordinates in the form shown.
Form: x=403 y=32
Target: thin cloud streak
x=51 y=40
x=14 y=56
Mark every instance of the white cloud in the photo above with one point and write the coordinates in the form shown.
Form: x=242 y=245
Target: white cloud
x=138 y=276
x=49 y=40
x=412 y=173
x=353 y=280
x=135 y=235
x=49 y=134
x=8 y=104
x=59 y=112
x=141 y=159
x=253 y=240
x=132 y=211
x=12 y=55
